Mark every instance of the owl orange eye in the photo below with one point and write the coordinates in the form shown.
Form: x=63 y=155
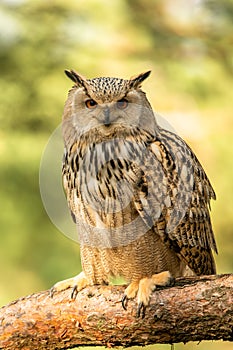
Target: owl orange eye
x=91 y=104
x=122 y=104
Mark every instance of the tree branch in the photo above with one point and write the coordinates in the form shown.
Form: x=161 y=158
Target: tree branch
x=196 y=308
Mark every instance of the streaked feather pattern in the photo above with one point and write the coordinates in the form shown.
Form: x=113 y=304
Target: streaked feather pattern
x=139 y=195
x=141 y=179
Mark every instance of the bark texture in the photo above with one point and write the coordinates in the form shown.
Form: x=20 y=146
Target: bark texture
x=195 y=309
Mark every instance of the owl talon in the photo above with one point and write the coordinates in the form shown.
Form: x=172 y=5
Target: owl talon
x=171 y=282
x=51 y=292
x=143 y=289
x=74 y=292
x=141 y=310
x=124 y=302
x=77 y=283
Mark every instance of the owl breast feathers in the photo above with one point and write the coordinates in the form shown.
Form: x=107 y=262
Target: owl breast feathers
x=137 y=193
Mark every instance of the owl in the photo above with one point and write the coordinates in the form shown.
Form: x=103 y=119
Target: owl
x=137 y=193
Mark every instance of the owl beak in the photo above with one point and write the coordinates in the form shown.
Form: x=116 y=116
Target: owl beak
x=107 y=121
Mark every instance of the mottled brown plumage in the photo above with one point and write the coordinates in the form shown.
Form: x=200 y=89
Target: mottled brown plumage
x=137 y=193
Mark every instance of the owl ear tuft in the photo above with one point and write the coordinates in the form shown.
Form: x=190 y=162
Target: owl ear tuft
x=77 y=78
x=136 y=80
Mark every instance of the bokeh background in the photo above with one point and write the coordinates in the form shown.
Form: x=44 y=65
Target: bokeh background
x=188 y=46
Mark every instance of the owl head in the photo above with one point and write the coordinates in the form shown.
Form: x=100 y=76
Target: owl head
x=106 y=104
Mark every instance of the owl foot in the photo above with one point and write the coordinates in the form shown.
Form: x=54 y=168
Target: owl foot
x=78 y=283
x=143 y=289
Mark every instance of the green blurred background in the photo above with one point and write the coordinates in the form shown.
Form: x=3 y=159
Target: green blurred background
x=188 y=46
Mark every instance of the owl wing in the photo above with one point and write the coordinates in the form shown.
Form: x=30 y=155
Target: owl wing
x=175 y=195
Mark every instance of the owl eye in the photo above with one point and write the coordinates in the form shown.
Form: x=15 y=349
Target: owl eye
x=122 y=104
x=91 y=104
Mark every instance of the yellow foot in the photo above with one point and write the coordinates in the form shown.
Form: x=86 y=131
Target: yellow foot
x=78 y=283
x=143 y=289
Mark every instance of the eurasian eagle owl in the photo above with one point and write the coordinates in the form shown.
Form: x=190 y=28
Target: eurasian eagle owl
x=137 y=193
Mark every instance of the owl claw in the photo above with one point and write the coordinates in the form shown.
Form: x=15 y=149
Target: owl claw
x=77 y=283
x=124 y=301
x=143 y=289
x=171 y=282
x=141 y=310
x=74 y=292
x=51 y=292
